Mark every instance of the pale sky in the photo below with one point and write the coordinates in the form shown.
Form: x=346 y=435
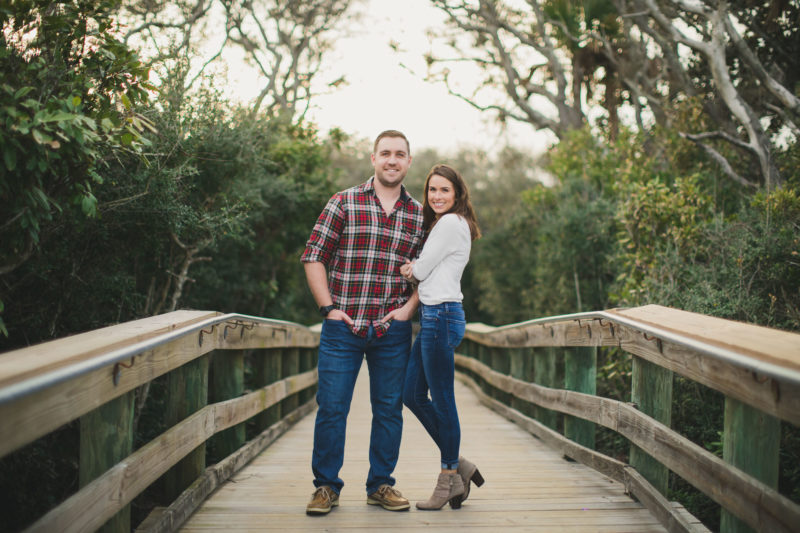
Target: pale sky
x=381 y=94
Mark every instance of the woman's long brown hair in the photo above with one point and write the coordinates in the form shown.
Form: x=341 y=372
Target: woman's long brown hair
x=462 y=205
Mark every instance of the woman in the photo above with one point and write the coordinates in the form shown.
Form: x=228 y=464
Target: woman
x=450 y=225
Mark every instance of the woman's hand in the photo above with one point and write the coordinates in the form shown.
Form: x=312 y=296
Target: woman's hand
x=406 y=270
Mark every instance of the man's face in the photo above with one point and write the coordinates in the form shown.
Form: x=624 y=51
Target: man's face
x=391 y=161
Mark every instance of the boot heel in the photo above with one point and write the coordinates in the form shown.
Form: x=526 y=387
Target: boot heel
x=455 y=502
x=477 y=478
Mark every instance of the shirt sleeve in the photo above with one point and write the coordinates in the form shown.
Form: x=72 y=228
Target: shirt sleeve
x=442 y=241
x=324 y=239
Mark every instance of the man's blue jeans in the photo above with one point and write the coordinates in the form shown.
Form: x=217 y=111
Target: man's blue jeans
x=432 y=367
x=341 y=353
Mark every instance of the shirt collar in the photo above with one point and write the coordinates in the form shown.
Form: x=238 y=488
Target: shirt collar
x=369 y=186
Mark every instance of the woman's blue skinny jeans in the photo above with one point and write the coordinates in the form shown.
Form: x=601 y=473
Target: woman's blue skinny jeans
x=431 y=367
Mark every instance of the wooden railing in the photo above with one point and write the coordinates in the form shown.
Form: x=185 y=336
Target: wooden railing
x=94 y=377
x=757 y=369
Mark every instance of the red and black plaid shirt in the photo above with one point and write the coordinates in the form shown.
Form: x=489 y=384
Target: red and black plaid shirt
x=363 y=250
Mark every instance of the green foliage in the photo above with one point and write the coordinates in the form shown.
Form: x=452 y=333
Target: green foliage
x=227 y=195
x=649 y=219
x=749 y=271
x=657 y=219
x=576 y=18
x=37 y=477
x=556 y=248
x=286 y=181
x=66 y=107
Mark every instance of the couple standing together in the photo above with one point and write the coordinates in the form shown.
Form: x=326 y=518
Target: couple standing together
x=374 y=256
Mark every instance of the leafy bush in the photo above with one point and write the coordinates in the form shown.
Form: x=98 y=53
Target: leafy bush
x=67 y=101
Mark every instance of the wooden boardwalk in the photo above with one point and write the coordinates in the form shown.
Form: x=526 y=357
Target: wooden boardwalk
x=529 y=487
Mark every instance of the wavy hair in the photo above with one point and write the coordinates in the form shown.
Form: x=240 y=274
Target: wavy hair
x=462 y=205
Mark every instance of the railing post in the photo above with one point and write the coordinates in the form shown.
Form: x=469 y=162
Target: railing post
x=580 y=375
x=501 y=362
x=466 y=348
x=187 y=393
x=227 y=381
x=307 y=362
x=751 y=443
x=651 y=392
x=485 y=357
x=290 y=366
x=267 y=370
x=544 y=374
x=522 y=368
x=106 y=439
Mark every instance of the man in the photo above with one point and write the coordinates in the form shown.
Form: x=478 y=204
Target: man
x=352 y=262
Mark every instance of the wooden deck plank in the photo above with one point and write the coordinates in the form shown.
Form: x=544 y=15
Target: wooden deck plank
x=529 y=487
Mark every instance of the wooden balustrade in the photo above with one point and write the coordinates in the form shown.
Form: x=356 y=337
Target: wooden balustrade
x=756 y=368
x=93 y=376
x=209 y=399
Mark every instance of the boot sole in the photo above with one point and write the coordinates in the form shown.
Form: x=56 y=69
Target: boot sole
x=389 y=507
x=321 y=510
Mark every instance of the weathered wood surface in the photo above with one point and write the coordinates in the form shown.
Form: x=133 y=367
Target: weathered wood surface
x=529 y=486
x=37 y=413
x=765 y=344
x=752 y=500
x=20 y=364
x=95 y=503
x=764 y=370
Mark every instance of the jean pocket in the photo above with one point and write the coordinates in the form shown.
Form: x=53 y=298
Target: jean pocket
x=402 y=327
x=428 y=313
x=455 y=332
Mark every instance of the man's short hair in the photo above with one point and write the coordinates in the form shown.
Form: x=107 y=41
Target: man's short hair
x=391 y=133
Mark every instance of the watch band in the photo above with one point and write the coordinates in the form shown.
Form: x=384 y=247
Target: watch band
x=325 y=309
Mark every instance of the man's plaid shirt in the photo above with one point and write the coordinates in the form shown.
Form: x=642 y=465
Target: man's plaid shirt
x=363 y=250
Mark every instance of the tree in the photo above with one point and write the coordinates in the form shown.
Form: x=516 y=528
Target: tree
x=515 y=50
x=540 y=62
x=285 y=42
x=67 y=102
x=746 y=74
x=67 y=108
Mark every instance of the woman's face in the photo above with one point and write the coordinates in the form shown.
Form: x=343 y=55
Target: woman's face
x=441 y=195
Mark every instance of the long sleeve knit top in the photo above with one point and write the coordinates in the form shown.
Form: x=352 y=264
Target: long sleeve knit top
x=442 y=260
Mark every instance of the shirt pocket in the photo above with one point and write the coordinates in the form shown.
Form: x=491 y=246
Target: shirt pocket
x=405 y=245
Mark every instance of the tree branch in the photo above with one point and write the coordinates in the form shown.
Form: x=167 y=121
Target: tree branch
x=720 y=159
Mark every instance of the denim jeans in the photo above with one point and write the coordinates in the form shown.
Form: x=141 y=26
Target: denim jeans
x=341 y=353
x=432 y=367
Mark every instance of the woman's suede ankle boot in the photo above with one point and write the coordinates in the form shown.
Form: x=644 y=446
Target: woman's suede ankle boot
x=468 y=472
x=449 y=488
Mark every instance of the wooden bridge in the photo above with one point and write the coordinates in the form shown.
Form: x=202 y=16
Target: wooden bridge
x=238 y=389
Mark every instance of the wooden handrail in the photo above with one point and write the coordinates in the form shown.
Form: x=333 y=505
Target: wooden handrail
x=48 y=385
x=755 y=365
x=45 y=386
x=764 y=373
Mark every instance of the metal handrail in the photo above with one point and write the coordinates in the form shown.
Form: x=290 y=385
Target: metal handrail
x=718 y=352
x=59 y=375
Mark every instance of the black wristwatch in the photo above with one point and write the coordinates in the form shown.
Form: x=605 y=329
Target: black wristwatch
x=325 y=309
